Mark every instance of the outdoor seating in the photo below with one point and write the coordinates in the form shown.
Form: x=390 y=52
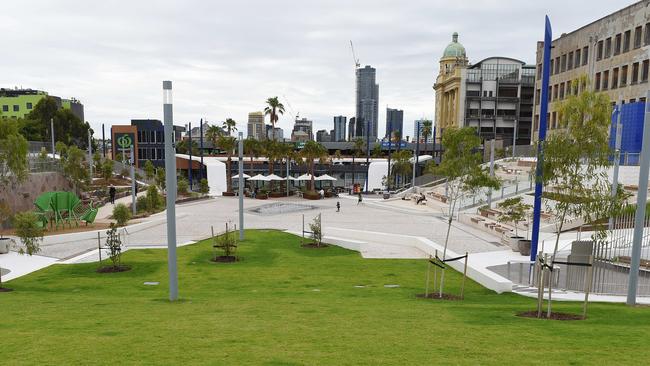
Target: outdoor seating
x=63 y=207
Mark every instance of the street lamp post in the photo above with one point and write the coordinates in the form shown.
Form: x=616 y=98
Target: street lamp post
x=170 y=182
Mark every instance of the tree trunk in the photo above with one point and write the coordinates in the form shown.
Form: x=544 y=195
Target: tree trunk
x=444 y=251
x=229 y=175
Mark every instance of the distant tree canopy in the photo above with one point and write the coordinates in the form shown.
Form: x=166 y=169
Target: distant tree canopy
x=68 y=128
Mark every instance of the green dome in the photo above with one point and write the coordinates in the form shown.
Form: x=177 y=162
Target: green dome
x=454 y=49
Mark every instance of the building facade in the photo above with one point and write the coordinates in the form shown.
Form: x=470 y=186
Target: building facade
x=279 y=133
x=494 y=95
x=612 y=52
x=352 y=129
x=367 y=103
x=256 y=128
x=323 y=136
x=394 y=122
x=340 y=123
x=150 y=141
x=17 y=103
x=302 y=125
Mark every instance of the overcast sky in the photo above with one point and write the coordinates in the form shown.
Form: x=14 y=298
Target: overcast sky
x=226 y=57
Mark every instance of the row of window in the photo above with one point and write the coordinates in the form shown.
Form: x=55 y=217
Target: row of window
x=16 y=107
x=619 y=76
x=151 y=137
x=621 y=42
x=150 y=154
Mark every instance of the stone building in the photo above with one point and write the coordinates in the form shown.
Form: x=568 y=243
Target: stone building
x=612 y=52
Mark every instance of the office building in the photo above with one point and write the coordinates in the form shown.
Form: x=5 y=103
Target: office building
x=256 y=127
x=494 y=95
x=17 y=103
x=367 y=103
x=612 y=52
x=339 y=128
x=150 y=141
x=394 y=122
x=302 y=125
x=279 y=133
x=322 y=136
x=352 y=129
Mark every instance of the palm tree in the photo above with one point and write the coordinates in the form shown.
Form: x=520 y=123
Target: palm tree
x=273 y=108
x=229 y=125
x=427 y=129
x=228 y=143
x=402 y=165
x=359 y=145
x=253 y=149
x=212 y=134
x=312 y=151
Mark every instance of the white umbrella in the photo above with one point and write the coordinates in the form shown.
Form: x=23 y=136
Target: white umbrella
x=325 y=177
x=274 y=177
x=304 y=177
x=236 y=176
x=260 y=177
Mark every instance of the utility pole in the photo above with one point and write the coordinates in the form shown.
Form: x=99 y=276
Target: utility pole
x=170 y=182
x=90 y=155
x=514 y=139
x=189 y=150
x=241 y=185
x=201 y=150
x=417 y=152
x=617 y=155
x=489 y=197
x=639 y=218
x=133 y=183
x=103 y=141
x=390 y=145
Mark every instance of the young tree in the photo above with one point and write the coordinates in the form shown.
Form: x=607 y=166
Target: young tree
x=513 y=210
x=402 y=165
x=461 y=165
x=74 y=167
x=273 y=109
x=29 y=232
x=97 y=161
x=114 y=245
x=14 y=166
x=107 y=170
x=149 y=170
x=160 y=178
x=316 y=231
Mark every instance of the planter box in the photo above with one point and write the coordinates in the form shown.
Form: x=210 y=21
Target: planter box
x=514 y=242
x=277 y=194
x=311 y=196
x=524 y=247
x=262 y=196
x=228 y=194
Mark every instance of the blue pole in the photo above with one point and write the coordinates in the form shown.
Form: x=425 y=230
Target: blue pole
x=543 y=110
x=201 y=150
x=189 y=149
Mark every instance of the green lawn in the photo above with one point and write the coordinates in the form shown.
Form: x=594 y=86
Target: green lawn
x=266 y=310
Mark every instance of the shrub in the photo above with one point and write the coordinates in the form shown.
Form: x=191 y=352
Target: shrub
x=114 y=245
x=29 y=231
x=316 y=232
x=182 y=186
x=226 y=242
x=142 y=204
x=154 y=199
x=121 y=214
x=204 y=187
x=160 y=178
x=107 y=169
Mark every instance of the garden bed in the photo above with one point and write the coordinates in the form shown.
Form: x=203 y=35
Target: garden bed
x=113 y=269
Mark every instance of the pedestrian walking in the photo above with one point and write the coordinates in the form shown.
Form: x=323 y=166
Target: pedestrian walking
x=111 y=194
x=338 y=206
x=360 y=199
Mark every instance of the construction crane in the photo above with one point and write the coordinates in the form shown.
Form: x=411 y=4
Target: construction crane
x=354 y=56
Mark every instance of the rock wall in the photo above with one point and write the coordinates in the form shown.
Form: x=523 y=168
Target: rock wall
x=22 y=197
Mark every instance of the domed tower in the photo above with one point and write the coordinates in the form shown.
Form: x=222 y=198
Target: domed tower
x=449 y=88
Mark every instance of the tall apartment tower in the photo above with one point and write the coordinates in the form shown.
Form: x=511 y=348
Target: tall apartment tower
x=394 y=122
x=256 y=128
x=352 y=129
x=339 y=128
x=367 y=106
x=611 y=51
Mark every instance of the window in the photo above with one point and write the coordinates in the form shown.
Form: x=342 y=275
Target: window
x=569 y=65
x=626 y=40
x=5 y=108
x=557 y=65
x=568 y=88
x=577 y=60
x=605 y=85
x=635 y=73
x=597 y=81
x=617 y=44
x=490 y=93
x=599 y=51
x=550 y=69
x=563 y=64
x=139 y=138
x=632 y=100
x=539 y=71
x=16 y=108
x=637 y=36
x=624 y=75
x=554 y=120
x=615 y=78
x=642 y=99
x=585 y=55
x=550 y=93
x=561 y=91
x=644 y=71
x=29 y=105
x=555 y=92
x=537 y=96
x=608 y=47
x=646 y=39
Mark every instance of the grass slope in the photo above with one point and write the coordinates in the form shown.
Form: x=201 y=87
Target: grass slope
x=266 y=310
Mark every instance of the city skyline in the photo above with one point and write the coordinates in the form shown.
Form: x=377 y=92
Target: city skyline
x=113 y=61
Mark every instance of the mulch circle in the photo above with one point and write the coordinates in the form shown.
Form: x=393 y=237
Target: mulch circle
x=4 y=289
x=436 y=296
x=554 y=316
x=113 y=269
x=225 y=259
x=314 y=245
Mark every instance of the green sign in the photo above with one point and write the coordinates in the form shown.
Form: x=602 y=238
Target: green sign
x=124 y=140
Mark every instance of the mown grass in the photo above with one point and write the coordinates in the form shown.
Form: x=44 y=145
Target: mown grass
x=285 y=305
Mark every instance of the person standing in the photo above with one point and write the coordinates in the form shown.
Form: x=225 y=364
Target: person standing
x=360 y=199
x=338 y=206
x=111 y=194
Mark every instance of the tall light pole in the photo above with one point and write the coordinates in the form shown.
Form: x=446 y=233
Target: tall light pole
x=90 y=155
x=170 y=182
x=189 y=150
x=134 y=209
x=639 y=218
x=616 y=114
x=52 y=135
x=241 y=185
